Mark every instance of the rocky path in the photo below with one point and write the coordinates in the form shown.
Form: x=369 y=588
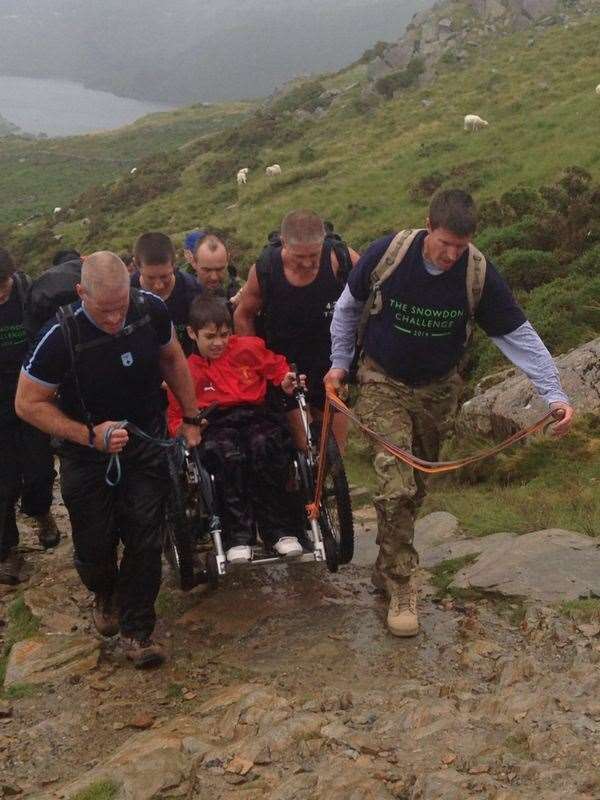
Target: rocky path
x=285 y=685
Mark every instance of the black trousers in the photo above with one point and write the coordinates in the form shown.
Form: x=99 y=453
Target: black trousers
x=248 y=450
x=131 y=512
x=26 y=473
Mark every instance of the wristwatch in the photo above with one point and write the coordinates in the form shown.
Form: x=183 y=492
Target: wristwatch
x=195 y=420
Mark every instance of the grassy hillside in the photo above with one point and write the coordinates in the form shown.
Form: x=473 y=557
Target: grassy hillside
x=38 y=175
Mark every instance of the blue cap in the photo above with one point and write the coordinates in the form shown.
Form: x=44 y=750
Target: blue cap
x=192 y=239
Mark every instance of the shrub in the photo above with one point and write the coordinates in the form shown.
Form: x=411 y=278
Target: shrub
x=426 y=186
x=527 y=269
x=522 y=200
x=306 y=96
x=400 y=79
x=307 y=155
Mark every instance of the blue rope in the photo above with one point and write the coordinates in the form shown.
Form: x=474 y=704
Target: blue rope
x=114 y=471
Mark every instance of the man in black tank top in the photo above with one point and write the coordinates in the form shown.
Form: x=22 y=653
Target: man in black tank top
x=294 y=289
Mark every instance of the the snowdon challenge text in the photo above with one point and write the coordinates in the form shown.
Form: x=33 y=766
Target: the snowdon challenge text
x=423 y=320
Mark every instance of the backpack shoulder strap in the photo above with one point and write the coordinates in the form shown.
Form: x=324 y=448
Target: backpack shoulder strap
x=23 y=283
x=338 y=246
x=264 y=271
x=387 y=265
x=69 y=328
x=476 y=270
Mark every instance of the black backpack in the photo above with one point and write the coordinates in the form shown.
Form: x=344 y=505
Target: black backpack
x=54 y=288
x=333 y=242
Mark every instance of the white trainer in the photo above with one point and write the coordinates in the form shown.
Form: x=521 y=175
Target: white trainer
x=288 y=546
x=239 y=555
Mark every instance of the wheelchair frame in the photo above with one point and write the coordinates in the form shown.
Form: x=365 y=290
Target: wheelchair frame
x=189 y=476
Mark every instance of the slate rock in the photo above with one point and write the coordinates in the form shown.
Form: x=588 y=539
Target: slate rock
x=50 y=659
x=549 y=566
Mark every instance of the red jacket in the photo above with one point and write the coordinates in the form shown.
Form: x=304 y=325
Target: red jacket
x=240 y=375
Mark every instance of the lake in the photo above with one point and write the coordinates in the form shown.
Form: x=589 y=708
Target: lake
x=65 y=108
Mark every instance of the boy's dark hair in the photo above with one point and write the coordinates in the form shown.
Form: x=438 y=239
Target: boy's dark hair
x=153 y=248
x=209 y=310
x=7 y=265
x=454 y=210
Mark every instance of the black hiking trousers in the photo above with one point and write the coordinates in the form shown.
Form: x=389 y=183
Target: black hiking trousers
x=131 y=512
x=248 y=450
x=26 y=473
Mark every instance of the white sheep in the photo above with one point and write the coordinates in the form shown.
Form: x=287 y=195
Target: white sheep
x=242 y=176
x=274 y=169
x=598 y=89
x=474 y=123
x=57 y=210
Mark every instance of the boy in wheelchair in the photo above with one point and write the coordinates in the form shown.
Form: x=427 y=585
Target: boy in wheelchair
x=246 y=445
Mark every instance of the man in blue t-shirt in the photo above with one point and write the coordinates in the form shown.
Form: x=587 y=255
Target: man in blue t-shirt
x=154 y=259
x=102 y=362
x=408 y=376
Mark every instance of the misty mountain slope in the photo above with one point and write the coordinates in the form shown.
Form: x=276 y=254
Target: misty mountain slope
x=186 y=50
x=370 y=170
x=38 y=175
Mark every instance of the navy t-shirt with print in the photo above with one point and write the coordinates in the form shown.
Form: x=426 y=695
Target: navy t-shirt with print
x=13 y=344
x=178 y=305
x=420 y=333
x=119 y=375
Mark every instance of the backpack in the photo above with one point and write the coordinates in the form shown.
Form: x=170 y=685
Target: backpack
x=54 y=288
x=333 y=242
x=391 y=260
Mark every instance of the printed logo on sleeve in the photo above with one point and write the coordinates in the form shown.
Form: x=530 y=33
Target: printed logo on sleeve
x=127 y=359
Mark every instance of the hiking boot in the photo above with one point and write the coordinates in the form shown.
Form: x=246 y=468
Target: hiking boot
x=240 y=554
x=105 y=615
x=46 y=530
x=402 y=617
x=10 y=567
x=143 y=653
x=288 y=547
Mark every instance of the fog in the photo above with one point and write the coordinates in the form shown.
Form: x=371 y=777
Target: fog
x=184 y=51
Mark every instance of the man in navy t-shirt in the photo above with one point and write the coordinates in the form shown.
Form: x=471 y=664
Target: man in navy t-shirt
x=409 y=381
x=124 y=347
x=154 y=258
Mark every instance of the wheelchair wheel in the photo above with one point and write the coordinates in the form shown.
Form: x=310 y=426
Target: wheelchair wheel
x=178 y=538
x=336 y=504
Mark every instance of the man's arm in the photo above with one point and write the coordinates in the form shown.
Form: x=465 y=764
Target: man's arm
x=344 y=327
x=36 y=404
x=249 y=306
x=527 y=352
x=176 y=373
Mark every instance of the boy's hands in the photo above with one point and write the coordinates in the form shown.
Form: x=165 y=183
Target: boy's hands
x=289 y=383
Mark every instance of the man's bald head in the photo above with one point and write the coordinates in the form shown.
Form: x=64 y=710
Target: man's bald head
x=103 y=272
x=104 y=289
x=210 y=261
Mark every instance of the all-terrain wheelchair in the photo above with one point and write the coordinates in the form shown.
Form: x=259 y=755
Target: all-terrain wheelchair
x=192 y=533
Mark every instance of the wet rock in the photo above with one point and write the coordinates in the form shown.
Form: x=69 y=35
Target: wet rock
x=298 y=787
x=50 y=659
x=458 y=548
x=146 y=765
x=550 y=566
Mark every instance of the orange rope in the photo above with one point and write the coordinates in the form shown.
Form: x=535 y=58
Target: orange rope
x=431 y=467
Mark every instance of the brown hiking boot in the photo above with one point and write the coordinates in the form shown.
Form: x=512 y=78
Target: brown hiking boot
x=143 y=653
x=402 y=617
x=105 y=615
x=10 y=567
x=47 y=532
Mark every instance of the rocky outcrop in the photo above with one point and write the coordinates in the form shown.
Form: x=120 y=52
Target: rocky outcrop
x=451 y=30
x=512 y=403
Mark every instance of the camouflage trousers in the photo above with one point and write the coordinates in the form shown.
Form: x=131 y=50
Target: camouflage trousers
x=417 y=418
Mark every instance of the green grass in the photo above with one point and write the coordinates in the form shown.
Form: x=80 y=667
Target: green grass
x=443 y=575
x=21 y=625
x=544 y=484
x=587 y=610
x=101 y=790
